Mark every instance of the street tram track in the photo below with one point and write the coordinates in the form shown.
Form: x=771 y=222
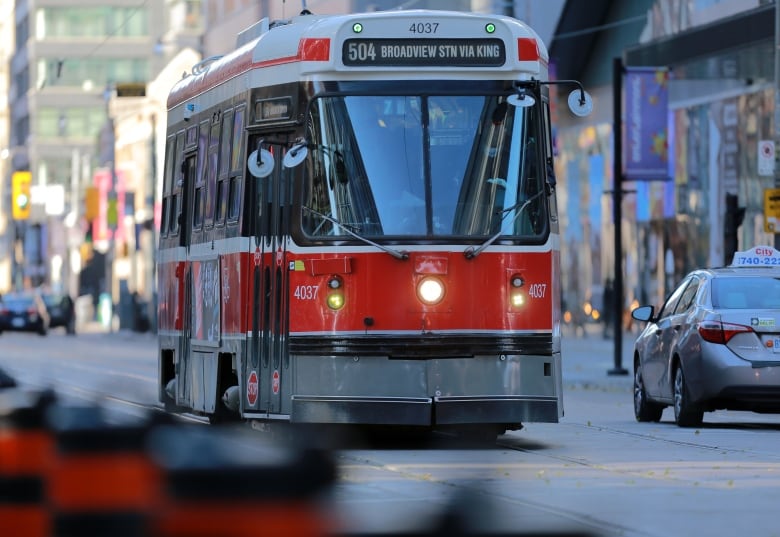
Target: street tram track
x=681 y=443
x=588 y=523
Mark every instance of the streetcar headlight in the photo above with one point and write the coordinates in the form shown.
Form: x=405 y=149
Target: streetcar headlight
x=336 y=300
x=430 y=290
x=516 y=295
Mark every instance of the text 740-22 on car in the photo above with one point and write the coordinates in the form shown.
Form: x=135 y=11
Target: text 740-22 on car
x=714 y=343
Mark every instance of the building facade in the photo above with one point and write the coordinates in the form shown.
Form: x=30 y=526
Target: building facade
x=719 y=56
x=70 y=60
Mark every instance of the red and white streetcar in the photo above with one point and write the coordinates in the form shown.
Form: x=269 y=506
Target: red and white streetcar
x=359 y=226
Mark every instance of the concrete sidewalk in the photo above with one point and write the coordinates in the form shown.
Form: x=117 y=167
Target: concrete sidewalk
x=589 y=358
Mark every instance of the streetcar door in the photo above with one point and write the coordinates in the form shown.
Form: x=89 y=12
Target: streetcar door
x=277 y=304
x=256 y=366
x=188 y=169
x=269 y=310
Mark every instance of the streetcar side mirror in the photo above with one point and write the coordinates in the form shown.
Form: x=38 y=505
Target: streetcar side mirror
x=260 y=161
x=580 y=103
x=295 y=155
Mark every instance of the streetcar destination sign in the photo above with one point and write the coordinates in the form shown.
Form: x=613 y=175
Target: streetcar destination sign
x=487 y=52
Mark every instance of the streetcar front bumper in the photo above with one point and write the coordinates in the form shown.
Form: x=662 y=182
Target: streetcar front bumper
x=424 y=412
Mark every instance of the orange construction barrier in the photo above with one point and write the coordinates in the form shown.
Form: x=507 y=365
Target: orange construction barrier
x=26 y=451
x=102 y=482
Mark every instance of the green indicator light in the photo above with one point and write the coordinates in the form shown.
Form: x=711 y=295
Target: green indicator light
x=357 y=27
x=490 y=27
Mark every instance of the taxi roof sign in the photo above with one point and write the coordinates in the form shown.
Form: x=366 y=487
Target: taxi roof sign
x=758 y=256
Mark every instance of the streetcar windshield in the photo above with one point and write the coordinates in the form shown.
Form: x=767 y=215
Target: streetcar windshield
x=422 y=166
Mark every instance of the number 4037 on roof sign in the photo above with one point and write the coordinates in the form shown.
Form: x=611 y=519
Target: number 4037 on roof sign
x=758 y=256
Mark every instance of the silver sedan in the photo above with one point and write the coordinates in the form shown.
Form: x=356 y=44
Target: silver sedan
x=713 y=344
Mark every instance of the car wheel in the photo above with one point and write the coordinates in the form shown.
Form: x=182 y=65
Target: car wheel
x=644 y=410
x=686 y=414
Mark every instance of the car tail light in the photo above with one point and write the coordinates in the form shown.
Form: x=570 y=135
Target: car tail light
x=719 y=332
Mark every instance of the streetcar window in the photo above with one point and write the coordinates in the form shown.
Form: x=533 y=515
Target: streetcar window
x=438 y=165
x=233 y=198
x=211 y=174
x=226 y=136
x=173 y=224
x=224 y=144
x=168 y=179
x=169 y=158
x=201 y=174
x=237 y=157
x=197 y=216
x=178 y=183
x=221 y=200
x=164 y=216
x=236 y=166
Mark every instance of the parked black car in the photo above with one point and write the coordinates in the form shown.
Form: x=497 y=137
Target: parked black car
x=61 y=311
x=24 y=311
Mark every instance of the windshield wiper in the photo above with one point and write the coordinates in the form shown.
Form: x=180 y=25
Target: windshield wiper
x=395 y=253
x=471 y=252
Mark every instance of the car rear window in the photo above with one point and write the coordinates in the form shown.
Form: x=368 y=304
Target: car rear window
x=17 y=302
x=746 y=293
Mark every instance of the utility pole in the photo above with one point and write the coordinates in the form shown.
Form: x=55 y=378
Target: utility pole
x=112 y=205
x=617 y=212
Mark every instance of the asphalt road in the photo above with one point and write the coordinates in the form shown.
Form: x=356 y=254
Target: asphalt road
x=598 y=471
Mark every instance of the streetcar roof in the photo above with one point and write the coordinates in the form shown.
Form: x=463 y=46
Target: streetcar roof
x=311 y=44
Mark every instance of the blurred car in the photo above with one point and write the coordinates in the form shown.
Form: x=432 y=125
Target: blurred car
x=24 y=311
x=713 y=344
x=61 y=311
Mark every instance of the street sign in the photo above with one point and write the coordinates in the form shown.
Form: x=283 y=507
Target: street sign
x=766 y=157
x=772 y=210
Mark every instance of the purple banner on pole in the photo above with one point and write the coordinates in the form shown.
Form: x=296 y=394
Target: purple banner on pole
x=646 y=156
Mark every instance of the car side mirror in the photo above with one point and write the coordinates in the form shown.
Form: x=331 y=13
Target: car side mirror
x=643 y=313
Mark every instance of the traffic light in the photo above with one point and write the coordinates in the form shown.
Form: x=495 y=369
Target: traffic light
x=20 y=195
x=731 y=222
